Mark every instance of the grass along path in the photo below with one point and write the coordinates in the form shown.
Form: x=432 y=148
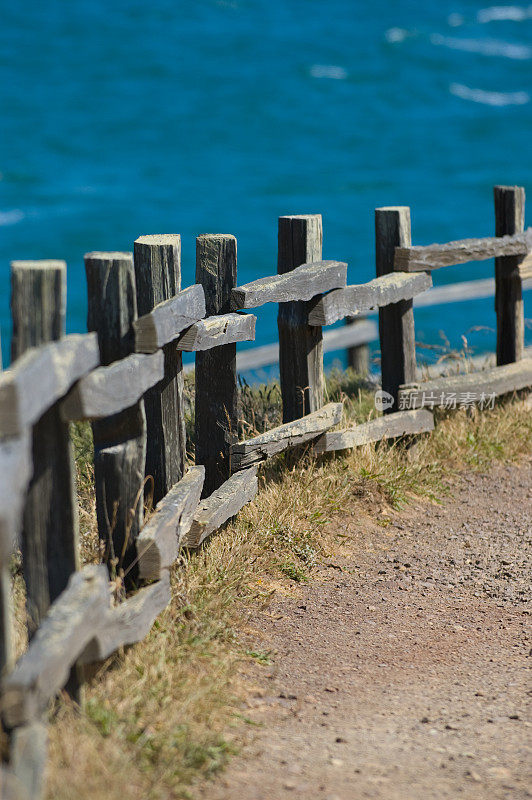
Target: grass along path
x=169 y=712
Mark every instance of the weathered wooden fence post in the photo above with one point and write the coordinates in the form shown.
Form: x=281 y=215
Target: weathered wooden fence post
x=6 y=610
x=50 y=550
x=120 y=440
x=216 y=404
x=358 y=356
x=6 y=621
x=509 y=219
x=158 y=277
x=50 y=528
x=300 y=241
x=396 y=321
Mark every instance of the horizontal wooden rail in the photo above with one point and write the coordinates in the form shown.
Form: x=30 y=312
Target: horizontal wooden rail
x=41 y=377
x=301 y=283
x=435 y=256
x=168 y=319
x=108 y=390
x=128 y=622
x=63 y=634
x=348 y=336
x=221 y=505
x=400 y=423
x=253 y=451
x=218 y=330
x=158 y=542
x=363 y=333
x=470 y=388
x=353 y=300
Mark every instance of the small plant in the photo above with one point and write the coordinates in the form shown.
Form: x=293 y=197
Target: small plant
x=262 y=656
x=102 y=716
x=293 y=571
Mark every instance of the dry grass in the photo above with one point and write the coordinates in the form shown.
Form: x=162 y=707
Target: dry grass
x=167 y=711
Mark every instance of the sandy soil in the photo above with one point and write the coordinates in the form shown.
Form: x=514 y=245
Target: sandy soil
x=401 y=671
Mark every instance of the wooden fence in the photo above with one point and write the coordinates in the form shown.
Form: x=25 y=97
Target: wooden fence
x=126 y=376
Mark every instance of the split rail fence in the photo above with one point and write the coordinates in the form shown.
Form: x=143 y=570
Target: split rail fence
x=126 y=377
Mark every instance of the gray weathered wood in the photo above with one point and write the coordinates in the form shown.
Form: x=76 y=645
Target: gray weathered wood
x=357 y=356
x=112 y=304
x=223 y=504
x=361 y=332
x=497 y=381
x=463 y=291
x=358 y=299
x=302 y=283
x=16 y=468
x=525 y=269
x=15 y=473
x=509 y=220
x=119 y=440
x=28 y=753
x=7 y=647
x=456 y=292
x=108 y=390
x=69 y=625
x=10 y=786
x=159 y=540
x=257 y=357
x=128 y=622
x=216 y=400
x=396 y=321
x=400 y=423
x=300 y=344
x=50 y=530
x=40 y=377
x=252 y=451
x=158 y=278
x=168 y=319
x=38 y=303
x=218 y=330
x=434 y=256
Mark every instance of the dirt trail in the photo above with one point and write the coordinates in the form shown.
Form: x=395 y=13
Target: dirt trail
x=401 y=672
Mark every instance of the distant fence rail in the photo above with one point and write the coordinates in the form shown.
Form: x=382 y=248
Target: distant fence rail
x=126 y=376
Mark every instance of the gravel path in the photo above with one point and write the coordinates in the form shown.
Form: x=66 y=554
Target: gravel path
x=401 y=672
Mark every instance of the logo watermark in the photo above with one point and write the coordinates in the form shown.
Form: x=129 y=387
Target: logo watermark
x=409 y=401
x=447 y=400
x=383 y=400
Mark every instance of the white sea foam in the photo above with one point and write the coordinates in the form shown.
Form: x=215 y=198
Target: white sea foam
x=455 y=20
x=328 y=71
x=501 y=13
x=395 y=35
x=486 y=47
x=11 y=217
x=489 y=98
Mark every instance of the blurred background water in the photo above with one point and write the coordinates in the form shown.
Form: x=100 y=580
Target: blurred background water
x=121 y=118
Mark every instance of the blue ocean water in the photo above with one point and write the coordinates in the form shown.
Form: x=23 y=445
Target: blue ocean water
x=121 y=118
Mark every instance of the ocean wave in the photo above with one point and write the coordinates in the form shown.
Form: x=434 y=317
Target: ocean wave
x=498 y=99
x=328 y=71
x=11 y=217
x=486 y=47
x=502 y=13
x=393 y=35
